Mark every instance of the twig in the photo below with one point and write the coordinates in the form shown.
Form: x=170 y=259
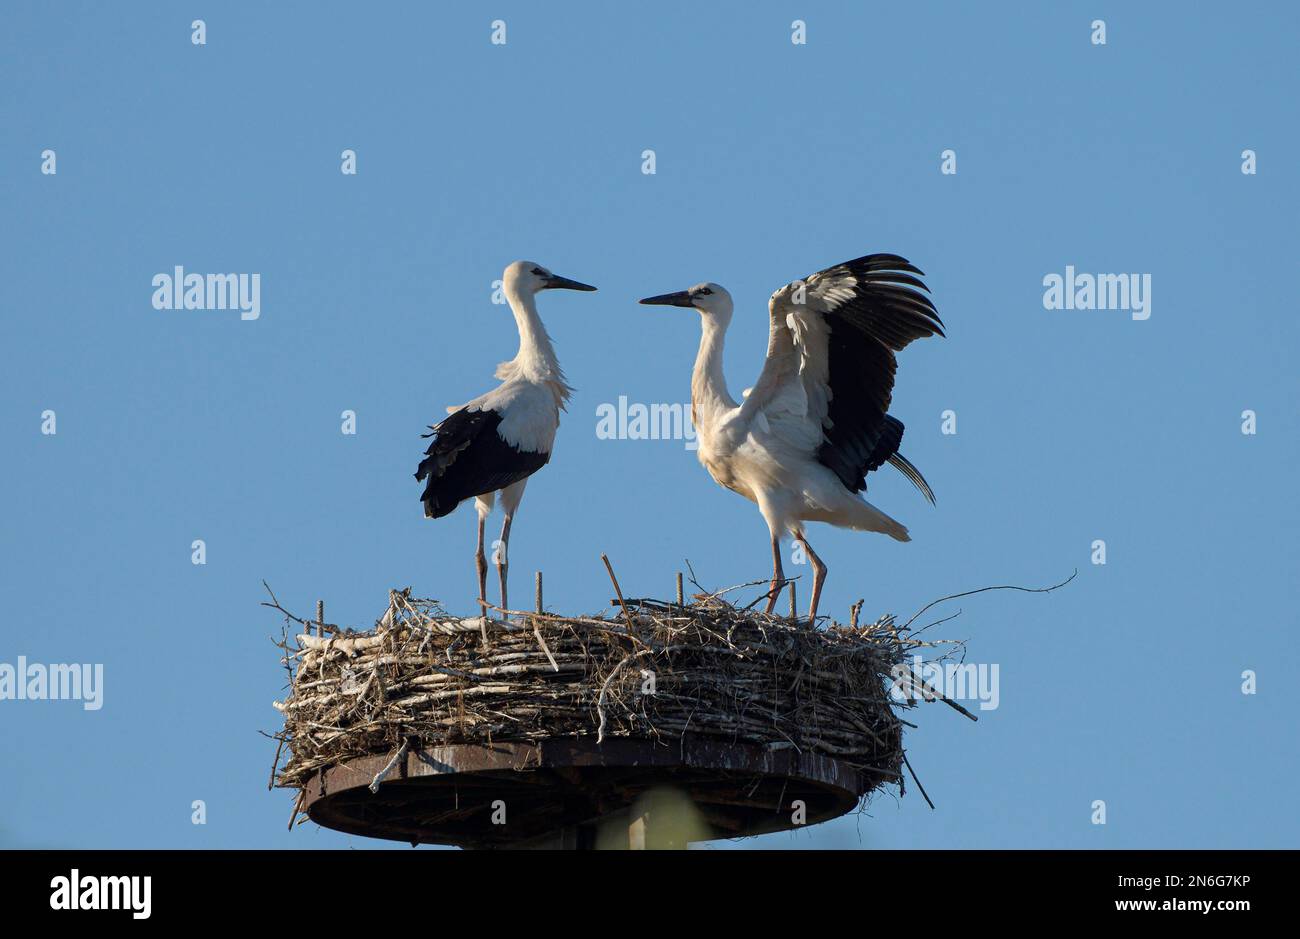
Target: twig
x=916 y=780
x=719 y=594
x=545 y=648
x=765 y=596
x=694 y=579
x=297 y=805
x=936 y=623
x=397 y=758
x=275 y=605
x=931 y=693
x=970 y=593
x=275 y=764
x=619 y=593
x=600 y=701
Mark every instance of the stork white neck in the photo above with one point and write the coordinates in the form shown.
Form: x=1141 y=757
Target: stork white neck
x=536 y=359
x=709 y=395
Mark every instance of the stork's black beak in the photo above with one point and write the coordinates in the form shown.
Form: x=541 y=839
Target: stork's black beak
x=680 y=298
x=556 y=282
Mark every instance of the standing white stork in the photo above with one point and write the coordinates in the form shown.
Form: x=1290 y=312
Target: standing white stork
x=815 y=423
x=496 y=441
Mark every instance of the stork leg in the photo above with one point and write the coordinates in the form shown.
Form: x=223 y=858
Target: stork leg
x=778 y=575
x=819 y=576
x=503 y=559
x=480 y=565
x=510 y=499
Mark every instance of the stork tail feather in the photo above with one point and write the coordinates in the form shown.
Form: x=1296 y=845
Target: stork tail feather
x=904 y=466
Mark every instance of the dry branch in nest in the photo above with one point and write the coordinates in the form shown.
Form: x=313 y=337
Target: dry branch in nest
x=655 y=671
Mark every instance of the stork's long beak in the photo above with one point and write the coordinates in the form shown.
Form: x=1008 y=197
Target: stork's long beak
x=680 y=298
x=556 y=282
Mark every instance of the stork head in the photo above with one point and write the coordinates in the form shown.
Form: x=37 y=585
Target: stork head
x=712 y=300
x=528 y=277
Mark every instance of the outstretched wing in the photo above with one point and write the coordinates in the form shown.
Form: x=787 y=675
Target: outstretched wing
x=829 y=375
x=469 y=457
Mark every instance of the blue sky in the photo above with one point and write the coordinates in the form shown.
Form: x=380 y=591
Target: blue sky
x=772 y=161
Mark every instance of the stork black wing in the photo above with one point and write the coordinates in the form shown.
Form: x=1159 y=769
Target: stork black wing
x=873 y=306
x=468 y=457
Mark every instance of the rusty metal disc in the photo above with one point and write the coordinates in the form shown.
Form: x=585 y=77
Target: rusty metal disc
x=512 y=794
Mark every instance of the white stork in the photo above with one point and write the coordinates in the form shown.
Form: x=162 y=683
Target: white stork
x=496 y=441
x=815 y=423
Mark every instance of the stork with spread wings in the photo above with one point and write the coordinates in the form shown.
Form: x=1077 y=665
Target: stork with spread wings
x=816 y=422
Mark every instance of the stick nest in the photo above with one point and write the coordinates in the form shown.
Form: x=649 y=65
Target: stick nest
x=714 y=670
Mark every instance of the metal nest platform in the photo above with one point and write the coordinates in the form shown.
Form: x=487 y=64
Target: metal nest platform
x=622 y=793
x=661 y=724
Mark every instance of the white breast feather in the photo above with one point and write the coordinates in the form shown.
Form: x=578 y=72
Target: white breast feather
x=529 y=416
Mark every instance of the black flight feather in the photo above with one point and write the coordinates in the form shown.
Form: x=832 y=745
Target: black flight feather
x=468 y=457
